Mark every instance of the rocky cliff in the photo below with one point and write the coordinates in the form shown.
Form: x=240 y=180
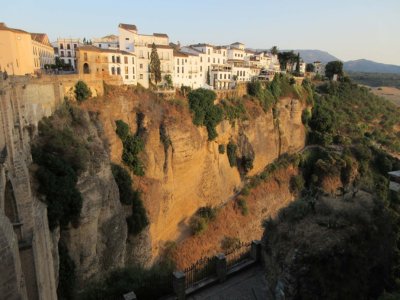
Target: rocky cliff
x=190 y=172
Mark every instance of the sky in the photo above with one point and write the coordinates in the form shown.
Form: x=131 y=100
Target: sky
x=347 y=29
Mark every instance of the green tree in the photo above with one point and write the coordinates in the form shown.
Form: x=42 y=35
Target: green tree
x=334 y=67
x=298 y=64
x=274 y=50
x=168 y=80
x=201 y=102
x=285 y=58
x=155 y=64
x=310 y=67
x=208 y=78
x=82 y=91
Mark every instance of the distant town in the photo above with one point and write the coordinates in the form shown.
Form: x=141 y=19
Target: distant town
x=127 y=59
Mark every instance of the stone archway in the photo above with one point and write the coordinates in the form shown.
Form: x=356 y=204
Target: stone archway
x=86 y=69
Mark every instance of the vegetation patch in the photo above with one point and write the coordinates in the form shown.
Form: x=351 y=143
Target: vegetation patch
x=205 y=113
x=199 y=222
x=231 y=150
x=221 y=149
x=82 y=91
x=233 y=109
x=61 y=155
x=150 y=283
x=133 y=145
x=241 y=204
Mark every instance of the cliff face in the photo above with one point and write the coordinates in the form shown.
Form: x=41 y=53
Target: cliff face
x=190 y=172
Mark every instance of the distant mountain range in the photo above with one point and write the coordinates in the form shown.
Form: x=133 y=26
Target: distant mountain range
x=360 y=65
x=368 y=66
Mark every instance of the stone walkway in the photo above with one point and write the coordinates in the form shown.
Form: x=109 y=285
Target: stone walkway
x=249 y=284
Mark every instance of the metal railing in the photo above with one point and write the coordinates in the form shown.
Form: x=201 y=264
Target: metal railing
x=203 y=268
x=237 y=254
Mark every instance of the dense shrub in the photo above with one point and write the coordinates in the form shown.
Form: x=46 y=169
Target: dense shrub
x=124 y=182
x=297 y=184
x=61 y=156
x=229 y=243
x=233 y=110
x=82 y=91
x=199 y=222
x=205 y=113
x=132 y=146
x=231 y=149
x=242 y=206
x=221 y=149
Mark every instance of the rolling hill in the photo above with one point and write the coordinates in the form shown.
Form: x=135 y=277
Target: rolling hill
x=368 y=66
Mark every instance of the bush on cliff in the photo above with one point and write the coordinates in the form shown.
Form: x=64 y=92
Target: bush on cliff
x=199 y=222
x=132 y=146
x=138 y=220
x=205 y=113
x=231 y=149
x=61 y=155
x=82 y=91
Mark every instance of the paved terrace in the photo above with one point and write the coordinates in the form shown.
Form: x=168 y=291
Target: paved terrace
x=247 y=285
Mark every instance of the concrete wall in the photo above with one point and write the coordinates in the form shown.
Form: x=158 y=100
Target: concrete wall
x=24 y=101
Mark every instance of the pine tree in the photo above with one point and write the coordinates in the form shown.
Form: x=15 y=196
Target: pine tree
x=298 y=64
x=155 y=64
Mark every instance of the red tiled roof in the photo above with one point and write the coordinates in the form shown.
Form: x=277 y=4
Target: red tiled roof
x=40 y=38
x=180 y=54
x=3 y=26
x=128 y=27
x=160 y=34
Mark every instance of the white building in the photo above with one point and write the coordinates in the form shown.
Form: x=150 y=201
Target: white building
x=319 y=68
x=140 y=44
x=107 y=42
x=67 y=50
x=188 y=69
x=107 y=63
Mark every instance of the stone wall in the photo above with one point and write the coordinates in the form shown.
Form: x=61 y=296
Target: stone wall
x=25 y=242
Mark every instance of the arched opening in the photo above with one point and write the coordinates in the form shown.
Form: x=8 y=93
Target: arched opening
x=86 y=69
x=10 y=205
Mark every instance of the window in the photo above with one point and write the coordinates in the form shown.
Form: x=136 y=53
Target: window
x=133 y=70
x=75 y=45
x=85 y=56
x=208 y=51
x=133 y=60
x=218 y=60
x=68 y=46
x=118 y=60
x=214 y=60
x=224 y=76
x=126 y=70
x=201 y=59
x=208 y=59
x=61 y=46
x=62 y=53
x=119 y=71
x=177 y=61
x=220 y=76
x=183 y=71
x=201 y=68
x=69 y=53
x=69 y=61
x=141 y=66
x=113 y=59
x=141 y=76
x=126 y=39
x=99 y=45
x=126 y=60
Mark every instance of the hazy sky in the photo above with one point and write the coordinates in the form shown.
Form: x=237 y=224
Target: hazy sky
x=348 y=29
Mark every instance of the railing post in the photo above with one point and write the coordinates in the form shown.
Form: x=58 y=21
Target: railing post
x=179 y=286
x=255 y=250
x=221 y=267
